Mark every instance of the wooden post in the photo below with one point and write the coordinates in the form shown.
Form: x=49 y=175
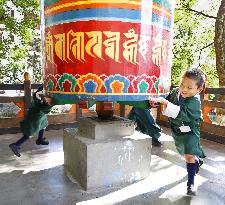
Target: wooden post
x=27 y=95
x=78 y=112
x=104 y=110
x=27 y=91
x=122 y=110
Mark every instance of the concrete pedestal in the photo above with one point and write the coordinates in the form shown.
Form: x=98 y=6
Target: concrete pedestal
x=99 y=162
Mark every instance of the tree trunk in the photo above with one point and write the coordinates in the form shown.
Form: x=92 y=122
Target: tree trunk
x=219 y=42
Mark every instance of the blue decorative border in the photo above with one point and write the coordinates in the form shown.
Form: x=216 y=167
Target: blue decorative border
x=106 y=14
x=70 y=97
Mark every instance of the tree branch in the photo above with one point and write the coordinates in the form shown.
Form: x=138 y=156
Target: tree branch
x=199 y=57
x=201 y=49
x=200 y=13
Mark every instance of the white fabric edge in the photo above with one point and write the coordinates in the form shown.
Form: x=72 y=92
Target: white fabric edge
x=171 y=110
x=38 y=94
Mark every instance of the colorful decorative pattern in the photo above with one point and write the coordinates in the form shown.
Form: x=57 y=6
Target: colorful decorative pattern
x=95 y=87
x=116 y=84
x=69 y=78
x=107 y=50
x=90 y=83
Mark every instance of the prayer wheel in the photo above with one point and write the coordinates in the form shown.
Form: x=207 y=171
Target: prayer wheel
x=107 y=50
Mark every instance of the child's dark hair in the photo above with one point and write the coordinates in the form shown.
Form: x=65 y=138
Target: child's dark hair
x=197 y=75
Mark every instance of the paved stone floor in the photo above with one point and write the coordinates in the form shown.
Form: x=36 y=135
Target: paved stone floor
x=37 y=177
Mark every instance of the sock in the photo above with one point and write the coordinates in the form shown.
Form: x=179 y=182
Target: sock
x=21 y=140
x=191 y=169
x=41 y=134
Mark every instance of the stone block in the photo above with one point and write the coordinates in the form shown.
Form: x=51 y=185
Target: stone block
x=94 y=128
x=103 y=163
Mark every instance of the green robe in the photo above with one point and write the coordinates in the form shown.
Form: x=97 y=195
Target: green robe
x=189 y=115
x=36 y=118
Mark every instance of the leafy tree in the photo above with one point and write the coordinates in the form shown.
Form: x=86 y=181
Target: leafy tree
x=20 y=47
x=194 y=39
x=220 y=43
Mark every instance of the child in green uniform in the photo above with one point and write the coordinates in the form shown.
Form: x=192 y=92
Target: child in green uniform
x=183 y=107
x=35 y=121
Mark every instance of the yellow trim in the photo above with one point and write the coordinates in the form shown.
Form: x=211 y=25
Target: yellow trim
x=90 y=2
x=161 y=9
x=47 y=11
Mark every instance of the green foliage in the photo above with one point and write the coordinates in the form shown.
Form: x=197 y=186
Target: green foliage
x=193 y=40
x=20 y=47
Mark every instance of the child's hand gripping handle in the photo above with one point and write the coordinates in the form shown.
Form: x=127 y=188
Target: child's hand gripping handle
x=156 y=101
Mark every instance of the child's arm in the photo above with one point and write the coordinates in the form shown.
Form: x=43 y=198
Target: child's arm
x=169 y=109
x=189 y=112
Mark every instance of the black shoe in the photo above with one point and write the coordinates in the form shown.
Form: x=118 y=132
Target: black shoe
x=42 y=141
x=156 y=142
x=191 y=191
x=15 y=149
x=199 y=164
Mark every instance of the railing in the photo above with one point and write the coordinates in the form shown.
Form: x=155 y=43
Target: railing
x=210 y=128
x=213 y=124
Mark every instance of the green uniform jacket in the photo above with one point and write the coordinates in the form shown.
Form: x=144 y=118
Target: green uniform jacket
x=189 y=115
x=36 y=118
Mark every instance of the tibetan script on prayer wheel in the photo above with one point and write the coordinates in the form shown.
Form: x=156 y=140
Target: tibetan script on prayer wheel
x=107 y=50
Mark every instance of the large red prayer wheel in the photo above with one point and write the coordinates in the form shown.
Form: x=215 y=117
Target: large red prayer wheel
x=109 y=50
